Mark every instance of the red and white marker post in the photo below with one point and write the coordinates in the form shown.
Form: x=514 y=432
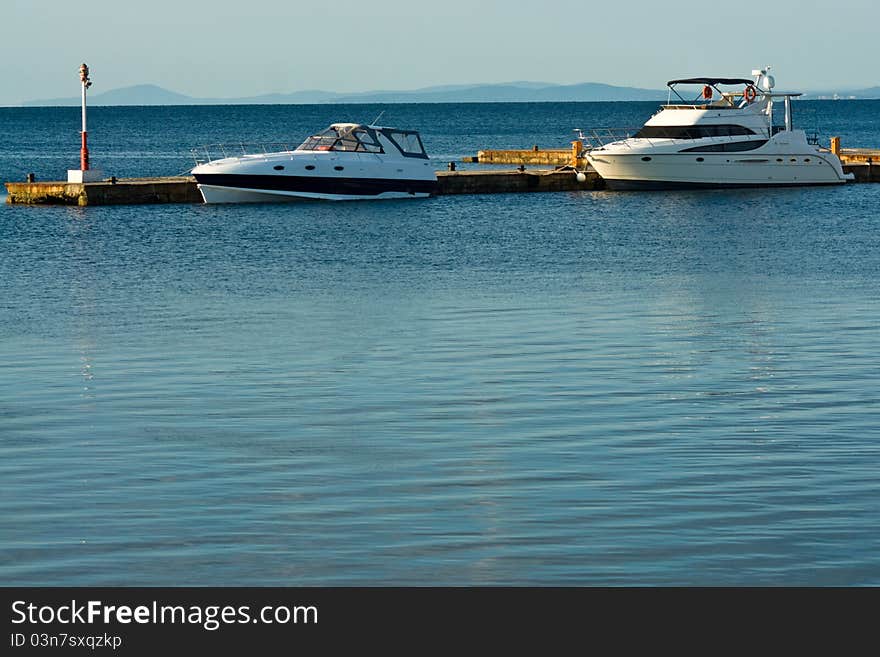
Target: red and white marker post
x=84 y=173
x=84 y=151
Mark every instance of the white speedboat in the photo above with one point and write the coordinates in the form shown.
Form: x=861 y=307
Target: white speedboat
x=347 y=161
x=721 y=139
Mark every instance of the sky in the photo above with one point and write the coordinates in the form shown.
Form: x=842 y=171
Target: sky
x=235 y=48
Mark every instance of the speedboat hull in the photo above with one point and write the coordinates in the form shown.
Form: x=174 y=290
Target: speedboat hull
x=231 y=188
x=346 y=162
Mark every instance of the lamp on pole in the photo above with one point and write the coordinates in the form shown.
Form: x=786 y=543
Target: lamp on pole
x=84 y=151
x=85 y=173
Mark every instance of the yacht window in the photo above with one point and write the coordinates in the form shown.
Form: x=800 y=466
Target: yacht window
x=409 y=143
x=730 y=147
x=347 y=138
x=691 y=131
x=368 y=141
x=321 y=142
x=358 y=140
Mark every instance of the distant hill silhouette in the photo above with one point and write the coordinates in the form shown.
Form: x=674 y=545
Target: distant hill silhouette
x=142 y=94
x=151 y=94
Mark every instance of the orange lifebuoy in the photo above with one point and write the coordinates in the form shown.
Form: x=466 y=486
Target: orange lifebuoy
x=750 y=94
x=707 y=92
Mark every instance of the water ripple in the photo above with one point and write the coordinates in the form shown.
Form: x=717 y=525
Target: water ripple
x=538 y=389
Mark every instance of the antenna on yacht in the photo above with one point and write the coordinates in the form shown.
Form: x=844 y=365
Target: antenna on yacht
x=769 y=81
x=763 y=79
x=376 y=120
x=765 y=82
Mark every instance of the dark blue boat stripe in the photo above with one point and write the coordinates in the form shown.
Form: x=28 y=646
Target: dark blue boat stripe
x=318 y=184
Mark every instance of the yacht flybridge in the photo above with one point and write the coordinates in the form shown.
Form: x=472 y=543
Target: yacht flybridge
x=720 y=139
x=347 y=161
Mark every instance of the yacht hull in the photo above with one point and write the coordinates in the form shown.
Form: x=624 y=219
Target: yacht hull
x=669 y=185
x=680 y=171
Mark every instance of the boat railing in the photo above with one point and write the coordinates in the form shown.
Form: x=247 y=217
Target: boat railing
x=599 y=137
x=211 y=152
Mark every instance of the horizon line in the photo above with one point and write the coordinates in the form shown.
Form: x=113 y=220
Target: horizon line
x=450 y=88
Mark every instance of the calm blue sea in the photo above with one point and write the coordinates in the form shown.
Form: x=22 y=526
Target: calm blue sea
x=588 y=388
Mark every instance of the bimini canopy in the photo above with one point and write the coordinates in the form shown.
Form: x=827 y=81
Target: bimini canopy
x=711 y=81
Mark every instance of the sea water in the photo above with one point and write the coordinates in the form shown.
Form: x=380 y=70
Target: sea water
x=569 y=388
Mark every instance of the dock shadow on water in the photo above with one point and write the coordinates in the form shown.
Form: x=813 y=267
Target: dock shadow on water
x=574 y=388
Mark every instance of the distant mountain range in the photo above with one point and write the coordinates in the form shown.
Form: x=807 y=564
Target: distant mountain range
x=150 y=94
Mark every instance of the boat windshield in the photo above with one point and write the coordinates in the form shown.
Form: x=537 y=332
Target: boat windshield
x=408 y=141
x=343 y=138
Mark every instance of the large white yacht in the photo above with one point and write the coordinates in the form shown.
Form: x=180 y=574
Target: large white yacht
x=347 y=161
x=721 y=139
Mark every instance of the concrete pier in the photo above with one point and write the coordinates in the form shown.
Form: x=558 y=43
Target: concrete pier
x=859 y=156
x=864 y=172
x=184 y=190
x=505 y=182
x=554 y=157
x=121 y=192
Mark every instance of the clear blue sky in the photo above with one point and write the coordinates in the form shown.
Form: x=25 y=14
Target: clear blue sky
x=226 y=48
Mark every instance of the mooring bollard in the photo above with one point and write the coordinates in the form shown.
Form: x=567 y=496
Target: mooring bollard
x=576 y=147
x=835 y=146
x=451 y=166
x=31 y=178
